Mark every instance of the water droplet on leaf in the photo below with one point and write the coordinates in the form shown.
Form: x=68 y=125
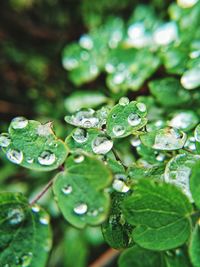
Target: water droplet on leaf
x=15 y=156
x=67 y=189
x=141 y=106
x=19 y=123
x=26 y=260
x=118 y=130
x=46 y=158
x=80 y=135
x=134 y=119
x=4 y=140
x=44 y=219
x=16 y=216
x=123 y=101
x=81 y=209
x=79 y=158
x=102 y=145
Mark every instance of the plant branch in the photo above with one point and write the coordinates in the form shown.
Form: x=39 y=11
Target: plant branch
x=105 y=258
x=44 y=190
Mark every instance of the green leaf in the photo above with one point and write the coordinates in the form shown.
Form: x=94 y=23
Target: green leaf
x=33 y=145
x=25 y=234
x=164 y=139
x=195 y=183
x=197 y=137
x=84 y=99
x=164 y=89
x=194 y=246
x=116 y=231
x=126 y=118
x=140 y=257
x=177 y=259
x=160 y=213
x=89 y=140
x=79 y=190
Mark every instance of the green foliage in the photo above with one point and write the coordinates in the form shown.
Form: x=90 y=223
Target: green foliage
x=125 y=169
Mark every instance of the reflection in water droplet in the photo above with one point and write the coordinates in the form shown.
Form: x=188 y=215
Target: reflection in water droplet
x=67 y=189
x=134 y=119
x=15 y=156
x=46 y=158
x=15 y=216
x=80 y=135
x=79 y=158
x=19 y=123
x=81 y=209
x=141 y=106
x=118 y=130
x=26 y=260
x=123 y=101
x=4 y=140
x=102 y=145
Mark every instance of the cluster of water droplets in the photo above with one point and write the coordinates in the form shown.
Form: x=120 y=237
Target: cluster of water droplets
x=119 y=183
x=169 y=139
x=85 y=118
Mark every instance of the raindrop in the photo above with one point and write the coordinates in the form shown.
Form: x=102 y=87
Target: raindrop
x=67 y=189
x=26 y=260
x=15 y=156
x=123 y=101
x=118 y=130
x=4 y=140
x=35 y=208
x=120 y=186
x=141 y=106
x=81 y=209
x=80 y=135
x=134 y=119
x=19 y=123
x=46 y=158
x=16 y=216
x=79 y=158
x=86 y=42
x=191 y=79
x=44 y=219
x=102 y=145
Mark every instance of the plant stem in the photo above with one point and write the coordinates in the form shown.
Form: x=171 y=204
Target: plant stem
x=44 y=190
x=105 y=258
x=118 y=158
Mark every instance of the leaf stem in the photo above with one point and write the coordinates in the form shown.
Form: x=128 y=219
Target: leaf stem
x=44 y=190
x=117 y=157
x=105 y=258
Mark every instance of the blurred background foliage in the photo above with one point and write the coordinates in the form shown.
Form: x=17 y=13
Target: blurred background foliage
x=36 y=38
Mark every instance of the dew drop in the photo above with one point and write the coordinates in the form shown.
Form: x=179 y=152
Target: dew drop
x=86 y=42
x=67 y=189
x=191 y=79
x=19 y=123
x=80 y=135
x=134 y=119
x=166 y=34
x=141 y=106
x=85 y=118
x=102 y=145
x=160 y=157
x=118 y=130
x=30 y=160
x=44 y=219
x=4 y=140
x=70 y=63
x=135 y=141
x=16 y=216
x=81 y=209
x=120 y=186
x=35 y=208
x=15 y=156
x=46 y=158
x=79 y=158
x=123 y=101
x=26 y=260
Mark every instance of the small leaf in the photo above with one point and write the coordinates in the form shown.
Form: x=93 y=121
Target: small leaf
x=140 y=257
x=160 y=213
x=25 y=234
x=33 y=145
x=194 y=247
x=116 y=231
x=126 y=118
x=164 y=139
x=195 y=183
x=79 y=190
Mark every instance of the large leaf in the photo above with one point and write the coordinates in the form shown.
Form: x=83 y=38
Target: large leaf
x=25 y=238
x=79 y=190
x=160 y=213
x=33 y=145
